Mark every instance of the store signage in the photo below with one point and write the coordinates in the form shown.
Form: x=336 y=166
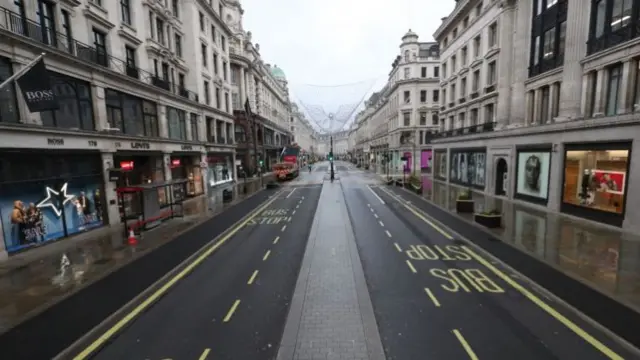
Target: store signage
x=36 y=89
x=141 y=145
x=175 y=162
x=186 y=147
x=51 y=200
x=126 y=165
x=55 y=141
x=92 y=143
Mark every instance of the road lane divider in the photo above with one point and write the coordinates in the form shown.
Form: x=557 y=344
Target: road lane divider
x=376 y=195
x=455 y=284
x=275 y=241
x=398 y=247
x=381 y=223
x=413 y=269
x=284 y=228
x=465 y=345
x=432 y=297
x=410 y=207
x=388 y=233
x=291 y=193
x=231 y=311
x=169 y=280
x=204 y=354
x=253 y=277
x=266 y=255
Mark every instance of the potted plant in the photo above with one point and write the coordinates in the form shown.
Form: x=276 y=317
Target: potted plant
x=491 y=219
x=464 y=202
x=415 y=184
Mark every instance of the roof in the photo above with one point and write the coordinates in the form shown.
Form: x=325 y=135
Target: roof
x=278 y=73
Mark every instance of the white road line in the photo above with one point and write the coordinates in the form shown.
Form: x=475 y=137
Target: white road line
x=376 y=195
x=291 y=193
x=388 y=233
x=376 y=215
x=381 y=224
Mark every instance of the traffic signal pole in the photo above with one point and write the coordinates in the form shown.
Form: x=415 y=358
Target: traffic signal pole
x=331 y=158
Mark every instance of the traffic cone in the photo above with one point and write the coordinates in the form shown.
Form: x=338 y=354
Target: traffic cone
x=132 y=240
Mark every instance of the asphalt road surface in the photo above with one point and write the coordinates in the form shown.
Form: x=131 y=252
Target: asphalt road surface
x=436 y=298
x=234 y=304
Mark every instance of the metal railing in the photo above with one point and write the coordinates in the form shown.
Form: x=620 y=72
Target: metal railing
x=22 y=26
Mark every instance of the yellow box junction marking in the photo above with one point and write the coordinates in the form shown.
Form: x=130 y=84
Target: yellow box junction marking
x=102 y=339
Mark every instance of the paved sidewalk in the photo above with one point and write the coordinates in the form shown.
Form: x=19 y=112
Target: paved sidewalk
x=331 y=315
x=32 y=281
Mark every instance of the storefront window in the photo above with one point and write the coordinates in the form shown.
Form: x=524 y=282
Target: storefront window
x=532 y=178
x=426 y=161
x=596 y=179
x=74 y=99
x=441 y=165
x=468 y=168
x=9 y=106
x=219 y=170
x=62 y=197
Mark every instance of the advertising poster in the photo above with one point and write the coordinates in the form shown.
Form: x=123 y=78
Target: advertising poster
x=533 y=174
x=426 y=161
x=36 y=213
x=609 y=181
x=441 y=164
x=468 y=168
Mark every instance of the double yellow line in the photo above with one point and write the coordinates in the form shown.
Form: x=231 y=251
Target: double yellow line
x=439 y=227
x=192 y=264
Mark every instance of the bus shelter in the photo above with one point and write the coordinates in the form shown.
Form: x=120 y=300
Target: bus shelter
x=143 y=207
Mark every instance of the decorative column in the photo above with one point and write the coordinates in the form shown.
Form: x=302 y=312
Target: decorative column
x=600 y=93
x=537 y=107
x=574 y=51
x=166 y=163
x=243 y=87
x=520 y=60
x=163 y=123
x=625 y=100
x=109 y=198
x=553 y=101
x=529 y=106
x=504 y=71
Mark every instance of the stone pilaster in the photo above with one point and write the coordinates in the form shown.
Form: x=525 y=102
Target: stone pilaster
x=520 y=61
x=504 y=71
x=111 y=209
x=599 y=102
x=163 y=122
x=553 y=101
x=575 y=50
x=627 y=84
x=242 y=84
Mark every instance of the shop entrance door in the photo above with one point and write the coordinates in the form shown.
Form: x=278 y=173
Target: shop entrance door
x=501 y=177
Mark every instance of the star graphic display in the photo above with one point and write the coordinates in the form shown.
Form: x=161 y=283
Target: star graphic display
x=52 y=199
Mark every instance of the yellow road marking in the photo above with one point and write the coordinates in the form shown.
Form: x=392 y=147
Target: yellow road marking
x=162 y=290
x=605 y=350
x=388 y=233
x=381 y=224
x=275 y=241
x=231 y=311
x=204 y=355
x=420 y=216
x=253 y=277
x=411 y=267
x=546 y=307
x=465 y=345
x=398 y=247
x=283 y=228
x=432 y=297
x=266 y=255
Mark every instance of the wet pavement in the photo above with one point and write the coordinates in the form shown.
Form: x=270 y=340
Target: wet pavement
x=32 y=281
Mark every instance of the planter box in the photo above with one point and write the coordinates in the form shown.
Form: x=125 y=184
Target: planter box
x=464 y=206
x=390 y=181
x=490 y=221
x=399 y=182
x=416 y=188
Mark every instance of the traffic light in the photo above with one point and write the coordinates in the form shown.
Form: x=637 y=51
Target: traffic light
x=260 y=162
x=331 y=156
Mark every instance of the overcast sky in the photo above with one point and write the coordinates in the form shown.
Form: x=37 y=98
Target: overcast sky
x=334 y=42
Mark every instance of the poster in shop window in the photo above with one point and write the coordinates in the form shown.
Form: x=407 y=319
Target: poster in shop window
x=468 y=168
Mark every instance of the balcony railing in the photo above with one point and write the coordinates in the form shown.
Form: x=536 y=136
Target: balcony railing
x=474 y=129
x=22 y=26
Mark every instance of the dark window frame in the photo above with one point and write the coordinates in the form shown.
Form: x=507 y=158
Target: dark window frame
x=550 y=18
x=8 y=95
x=125 y=11
x=611 y=37
x=75 y=84
x=181 y=125
x=114 y=102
